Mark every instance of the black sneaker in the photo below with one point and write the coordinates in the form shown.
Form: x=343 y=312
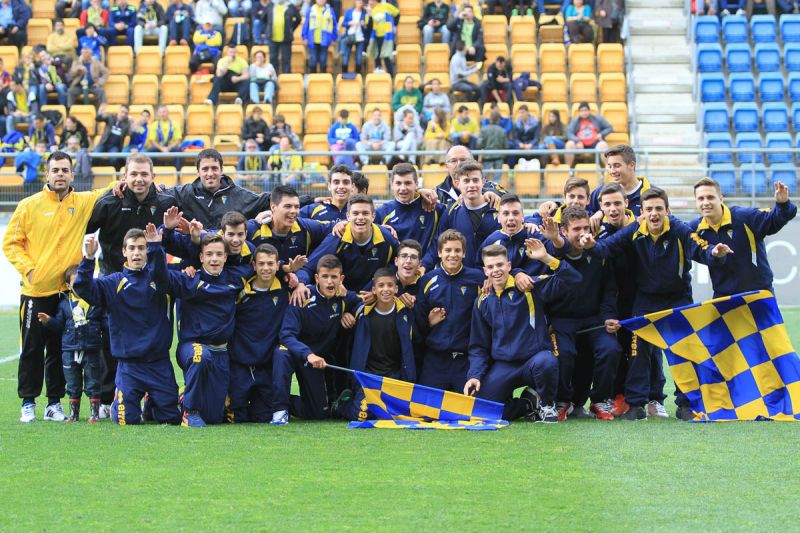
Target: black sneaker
x=579 y=412
x=345 y=396
x=530 y=396
x=548 y=414
x=684 y=413
x=636 y=412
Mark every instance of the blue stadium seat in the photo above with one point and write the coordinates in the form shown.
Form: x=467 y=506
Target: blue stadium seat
x=725 y=174
x=720 y=141
x=790 y=28
x=770 y=87
x=775 y=116
x=742 y=87
x=706 y=29
x=734 y=29
x=745 y=116
x=712 y=87
x=749 y=140
x=737 y=57
x=791 y=57
x=709 y=57
x=768 y=57
x=762 y=28
x=754 y=176
x=715 y=117
x=776 y=140
x=796 y=115
x=794 y=86
x=786 y=173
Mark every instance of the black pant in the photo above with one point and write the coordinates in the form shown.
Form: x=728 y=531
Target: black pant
x=285 y=49
x=15 y=39
x=580 y=33
x=224 y=83
x=40 y=357
x=108 y=368
x=611 y=35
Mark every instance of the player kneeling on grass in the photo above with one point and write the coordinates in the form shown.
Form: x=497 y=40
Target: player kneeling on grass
x=259 y=312
x=509 y=342
x=207 y=309
x=308 y=339
x=139 y=324
x=81 y=325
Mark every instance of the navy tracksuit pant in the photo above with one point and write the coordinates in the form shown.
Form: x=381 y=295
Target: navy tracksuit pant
x=444 y=370
x=539 y=371
x=250 y=393
x=206 y=374
x=312 y=403
x=133 y=380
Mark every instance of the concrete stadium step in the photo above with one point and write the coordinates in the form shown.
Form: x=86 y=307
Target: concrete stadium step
x=659 y=49
x=658 y=22
x=672 y=135
x=648 y=4
x=668 y=108
x=658 y=79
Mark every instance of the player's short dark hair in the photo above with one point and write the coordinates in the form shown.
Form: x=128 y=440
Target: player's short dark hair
x=384 y=272
x=708 y=182
x=360 y=199
x=231 y=219
x=404 y=169
x=494 y=250
x=266 y=248
x=133 y=233
x=410 y=243
x=624 y=150
x=574 y=183
x=330 y=262
x=139 y=157
x=280 y=192
x=71 y=270
x=451 y=235
x=468 y=166
x=360 y=182
x=58 y=155
x=340 y=169
x=611 y=188
x=211 y=238
x=509 y=198
x=208 y=153
x=573 y=212
x=653 y=193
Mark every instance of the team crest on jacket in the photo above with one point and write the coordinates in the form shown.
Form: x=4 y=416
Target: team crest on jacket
x=293 y=239
x=153 y=210
x=153 y=285
x=730 y=234
x=71 y=210
x=335 y=307
x=224 y=200
x=374 y=251
x=422 y=219
x=463 y=289
x=666 y=243
x=274 y=300
x=511 y=296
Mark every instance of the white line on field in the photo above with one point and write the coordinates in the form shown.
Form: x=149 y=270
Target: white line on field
x=9 y=358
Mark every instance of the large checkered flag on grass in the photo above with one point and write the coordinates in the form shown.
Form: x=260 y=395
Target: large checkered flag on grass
x=731 y=356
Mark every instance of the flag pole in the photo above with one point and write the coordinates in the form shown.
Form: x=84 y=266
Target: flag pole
x=340 y=368
x=587 y=330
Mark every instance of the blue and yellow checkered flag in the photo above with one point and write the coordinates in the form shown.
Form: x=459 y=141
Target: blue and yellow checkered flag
x=401 y=405
x=731 y=356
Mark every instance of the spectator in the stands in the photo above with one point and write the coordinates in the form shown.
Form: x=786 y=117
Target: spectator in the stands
x=257 y=14
x=280 y=21
x=436 y=136
x=493 y=137
x=42 y=130
x=239 y=8
x=121 y=23
x=211 y=10
x=514 y=8
x=150 y=20
x=14 y=17
x=587 y=131
x=526 y=130
x=354 y=27
x=460 y=5
x=464 y=129
x=68 y=9
x=459 y=72
x=180 y=17
x=253 y=165
x=407 y=136
x=81 y=164
x=60 y=43
x=165 y=135
x=319 y=31
x=467 y=29
x=207 y=45
x=25 y=73
x=728 y=7
x=96 y=15
x=74 y=127
x=49 y=81
x=579 y=16
x=408 y=97
x=609 y=14
x=93 y=41
x=435 y=98
x=505 y=122
x=89 y=77
x=383 y=19
x=286 y=161
x=498 y=79
x=343 y=136
x=263 y=79
x=375 y=137
x=118 y=126
x=789 y=6
x=232 y=74
x=281 y=127
x=434 y=20
x=706 y=7
x=139 y=133
x=255 y=127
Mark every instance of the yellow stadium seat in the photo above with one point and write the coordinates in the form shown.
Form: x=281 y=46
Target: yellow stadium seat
x=10 y=57
x=200 y=87
x=493 y=51
x=617 y=138
x=612 y=87
x=243 y=52
x=71 y=25
x=400 y=78
x=103 y=176
x=409 y=58
x=316 y=142
x=11 y=181
x=349 y=91
x=176 y=114
x=43 y=9
x=523 y=30
x=610 y=58
x=590 y=172
x=502 y=107
x=228 y=143
x=583 y=87
x=136 y=109
x=174 y=89
x=118 y=89
x=291 y=89
x=551 y=33
x=298 y=57
x=580 y=57
x=318 y=118
x=378 y=177
x=259 y=48
x=199 y=119
x=407 y=30
x=293 y=113
x=433 y=175
x=527 y=182
x=119 y=60
x=320 y=88
x=443 y=77
x=86 y=114
x=495 y=29
x=554 y=87
x=148 y=60
x=574 y=109
x=524 y=58
x=144 y=89
x=412 y=8
x=229 y=119
x=555 y=176
x=166 y=176
x=378 y=87
x=385 y=109
x=39 y=30
x=353 y=109
x=561 y=107
x=553 y=57
x=230 y=22
x=176 y=60
x=617 y=114
x=533 y=108
x=437 y=57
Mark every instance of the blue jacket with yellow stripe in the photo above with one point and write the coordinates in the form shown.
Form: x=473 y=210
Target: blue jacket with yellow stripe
x=510 y=325
x=86 y=336
x=359 y=262
x=743 y=229
x=411 y=221
x=181 y=245
x=634 y=198
x=594 y=296
x=259 y=314
x=458 y=218
x=362 y=341
x=324 y=212
x=515 y=244
x=304 y=236
x=456 y=293
x=624 y=266
x=139 y=314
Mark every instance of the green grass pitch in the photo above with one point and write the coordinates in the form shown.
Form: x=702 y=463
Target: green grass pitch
x=656 y=475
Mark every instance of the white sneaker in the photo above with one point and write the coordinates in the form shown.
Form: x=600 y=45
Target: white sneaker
x=741 y=12
x=28 y=413
x=280 y=418
x=379 y=70
x=238 y=101
x=105 y=411
x=208 y=102
x=656 y=409
x=55 y=413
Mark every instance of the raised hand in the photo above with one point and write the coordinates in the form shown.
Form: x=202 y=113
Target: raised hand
x=781 y=193
x=172 y=217
x=92 y=246
x=550 y=229
x=296 y=263
x=587 y=241
x=151 y=234
x=534 y=248
x=195 y=230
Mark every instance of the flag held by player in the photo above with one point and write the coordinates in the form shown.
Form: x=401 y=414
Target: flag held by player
x=731 y=356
